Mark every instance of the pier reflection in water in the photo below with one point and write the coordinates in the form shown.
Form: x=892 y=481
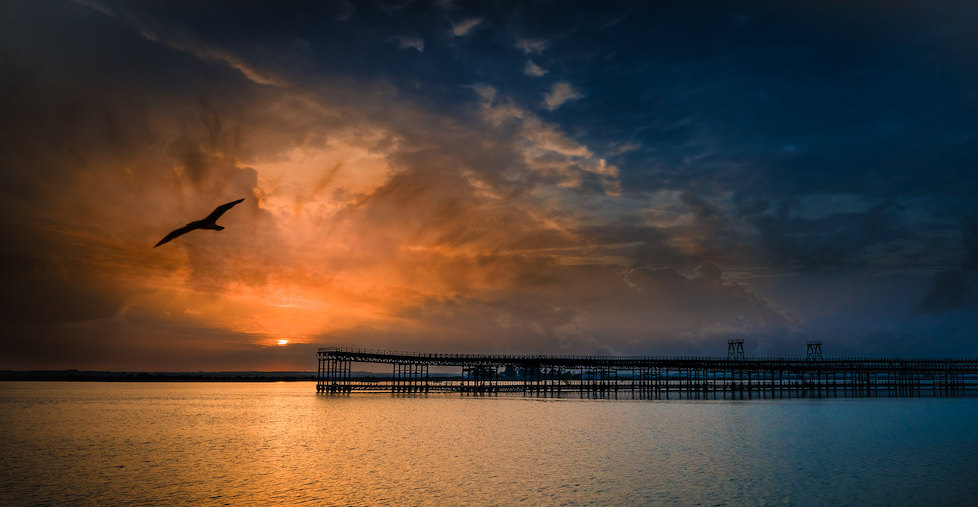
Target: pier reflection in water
x=158 y=443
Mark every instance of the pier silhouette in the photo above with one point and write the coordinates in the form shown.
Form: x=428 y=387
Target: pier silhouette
x=651 y=376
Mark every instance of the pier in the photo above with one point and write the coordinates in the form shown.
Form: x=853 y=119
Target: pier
x=650 y=376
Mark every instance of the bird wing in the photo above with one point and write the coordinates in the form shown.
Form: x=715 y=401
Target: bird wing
x=218 y=211
x=178 y=232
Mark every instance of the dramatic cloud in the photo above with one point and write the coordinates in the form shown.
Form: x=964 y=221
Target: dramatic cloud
x=747 y=172
x=951 y=290
x=205 y=52
x=465 y=26
x=532 y=46
x=416 y=43
x=561 y=93
x=955 y=289
x=534 y=70
x=92 y=4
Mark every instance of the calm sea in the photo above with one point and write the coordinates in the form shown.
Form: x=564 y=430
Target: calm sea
x=280 y=443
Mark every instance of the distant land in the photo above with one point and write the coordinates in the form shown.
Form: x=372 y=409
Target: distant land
x=180 y=376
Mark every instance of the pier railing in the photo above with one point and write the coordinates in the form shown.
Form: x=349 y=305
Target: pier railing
x=652 y=375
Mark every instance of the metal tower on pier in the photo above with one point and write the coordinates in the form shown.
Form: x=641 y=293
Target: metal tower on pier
x=813 y=350
x=735 y=349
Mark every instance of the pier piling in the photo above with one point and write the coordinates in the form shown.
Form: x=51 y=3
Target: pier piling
x=652 y=376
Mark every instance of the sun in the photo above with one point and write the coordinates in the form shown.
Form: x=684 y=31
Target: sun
x=283 y=342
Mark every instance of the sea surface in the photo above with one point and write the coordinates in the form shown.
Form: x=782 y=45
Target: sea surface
x=282 y=444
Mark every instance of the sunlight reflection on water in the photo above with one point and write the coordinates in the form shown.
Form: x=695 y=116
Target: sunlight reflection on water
x=280 y=443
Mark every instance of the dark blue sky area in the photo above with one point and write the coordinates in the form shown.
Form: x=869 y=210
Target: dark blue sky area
x=877 y=100
x=585 y=176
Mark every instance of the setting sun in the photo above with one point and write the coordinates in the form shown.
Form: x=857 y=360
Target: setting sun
x=283 y=342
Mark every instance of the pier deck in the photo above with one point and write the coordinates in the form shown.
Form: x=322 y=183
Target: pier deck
x=650 y=376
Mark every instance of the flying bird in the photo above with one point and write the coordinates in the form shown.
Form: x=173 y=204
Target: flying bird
x=210 y=222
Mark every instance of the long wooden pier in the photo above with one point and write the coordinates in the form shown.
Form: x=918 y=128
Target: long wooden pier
x=649 y=376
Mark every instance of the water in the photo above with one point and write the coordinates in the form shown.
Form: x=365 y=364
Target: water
x=280 y=443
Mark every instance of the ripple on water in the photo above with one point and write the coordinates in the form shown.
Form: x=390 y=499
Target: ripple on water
x=280 y=443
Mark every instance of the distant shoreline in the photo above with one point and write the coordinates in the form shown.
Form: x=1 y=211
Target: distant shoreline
x=203 y=376
x=112 y=376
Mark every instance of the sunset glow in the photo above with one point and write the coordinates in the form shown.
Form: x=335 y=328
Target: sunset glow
x=419 y=177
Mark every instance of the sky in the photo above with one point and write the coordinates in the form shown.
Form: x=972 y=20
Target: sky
x=553 y=177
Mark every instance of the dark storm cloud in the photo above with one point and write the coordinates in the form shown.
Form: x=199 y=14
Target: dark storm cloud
x=849 y=99
x=38 y=291
x=833 y=241
x=840 y=97
x=951 y=290
x=101 y=128
x=874 y=102
x=955 y=289
x=495 y=167
x=970 y=262
x=578 y=309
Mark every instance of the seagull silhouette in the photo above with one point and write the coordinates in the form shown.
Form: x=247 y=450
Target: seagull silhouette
x=207 y=223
